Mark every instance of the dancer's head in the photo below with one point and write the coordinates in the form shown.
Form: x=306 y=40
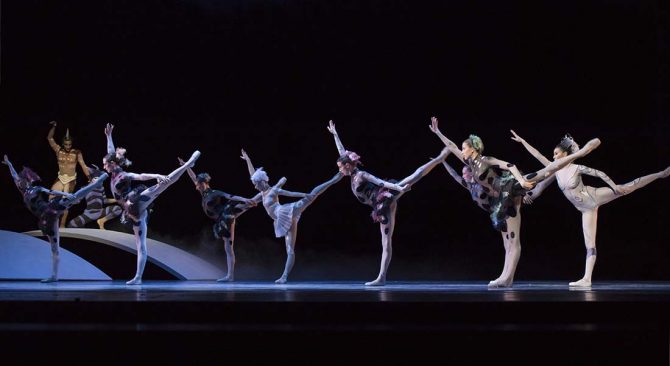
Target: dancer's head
x=472 y=147
x=348 y=162
x=27 y=177
x=67 y=141
x=260 y=179
x=115 y=160
x=202 y=182
x=467 y=174
x=566 y=147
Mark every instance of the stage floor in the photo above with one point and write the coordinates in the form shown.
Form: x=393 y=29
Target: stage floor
x=182 y=322
x=441 y=292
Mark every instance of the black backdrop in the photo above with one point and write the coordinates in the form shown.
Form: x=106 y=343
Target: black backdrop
x=175 y=76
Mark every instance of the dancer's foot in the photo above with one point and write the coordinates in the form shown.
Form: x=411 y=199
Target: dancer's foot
x=50 y=279
x=666 y=172
x=135 y=281
x=101 y=223
x=281 y=280
x=499 y=282
x=581 y=283
x=226 y=279
x=591 y=145
x=194 y=157
x=377 y=282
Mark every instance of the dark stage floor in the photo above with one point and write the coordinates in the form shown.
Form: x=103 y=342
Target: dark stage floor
x=334 y=322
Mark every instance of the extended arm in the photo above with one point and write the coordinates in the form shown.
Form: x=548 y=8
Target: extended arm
x=512 y=168
x=250 y=166
x=533 y=151
x=146 y=176
x=50 y=137
x=190 y=172
x=12 y=171
x=455 y=175
x=448 y=143
x=291 y=194
x=108 y=133
x=382 y=183
x=338 y=142
x=537 y=191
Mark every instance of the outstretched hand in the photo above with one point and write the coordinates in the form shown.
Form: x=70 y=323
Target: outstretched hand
x=5 y=160
x=181 y=161
x=331 y=127
x=108 y=129
x=516 y=137
x=434 y=125
x=527 y=199
x=162 y=179
x=244 y=156
x=527 y=185
x=53 y=123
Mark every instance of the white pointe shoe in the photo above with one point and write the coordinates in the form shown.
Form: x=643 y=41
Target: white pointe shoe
x=581 y=283
x=134 y=281
x=281 y=281
x=50 y=280
x=377 y=282
x=226 y=279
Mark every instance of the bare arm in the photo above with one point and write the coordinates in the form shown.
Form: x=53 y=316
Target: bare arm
x=338 y=142
x=12 y=171
x=190 y=172
x=110 y=142
x=582 y=169
x=84 y=168
x=55 y=193
x=512 y=168
x=382 y=183
x=250 y=166
x=455 y=175
x=448 y=143
x=50 y=137
x=537 y=191
x=533 y=151
x=145 y=176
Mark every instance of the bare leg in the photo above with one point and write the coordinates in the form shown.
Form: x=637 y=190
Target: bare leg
x=301 y=205
x=69 y=188
x=290 y=252
x=230 y=261
x=141 y=245
x=512 y=242
x=589 y=226
x=111 y=213
x=605 y=195
x=423 y=170
x=55 y=254
x=387 y=246
x=154 y=191
x=558 y=164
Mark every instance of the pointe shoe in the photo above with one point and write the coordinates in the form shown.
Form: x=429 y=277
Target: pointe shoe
x=50 y=280
x=498 y=283
x=194 y=157
x=377 y=282
x=581 y=283
x=591 y=145
x=281 y=281
x=226 y=279
x=134 y=281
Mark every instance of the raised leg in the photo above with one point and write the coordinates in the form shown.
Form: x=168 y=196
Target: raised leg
x=230 y=261
x=387 y=247
x=151 y=193
x=423 y=170
x=589 y=226
x=290 y=238
x=605 y=194
x=141 y=245
x=558 y=164
x=301 y=205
